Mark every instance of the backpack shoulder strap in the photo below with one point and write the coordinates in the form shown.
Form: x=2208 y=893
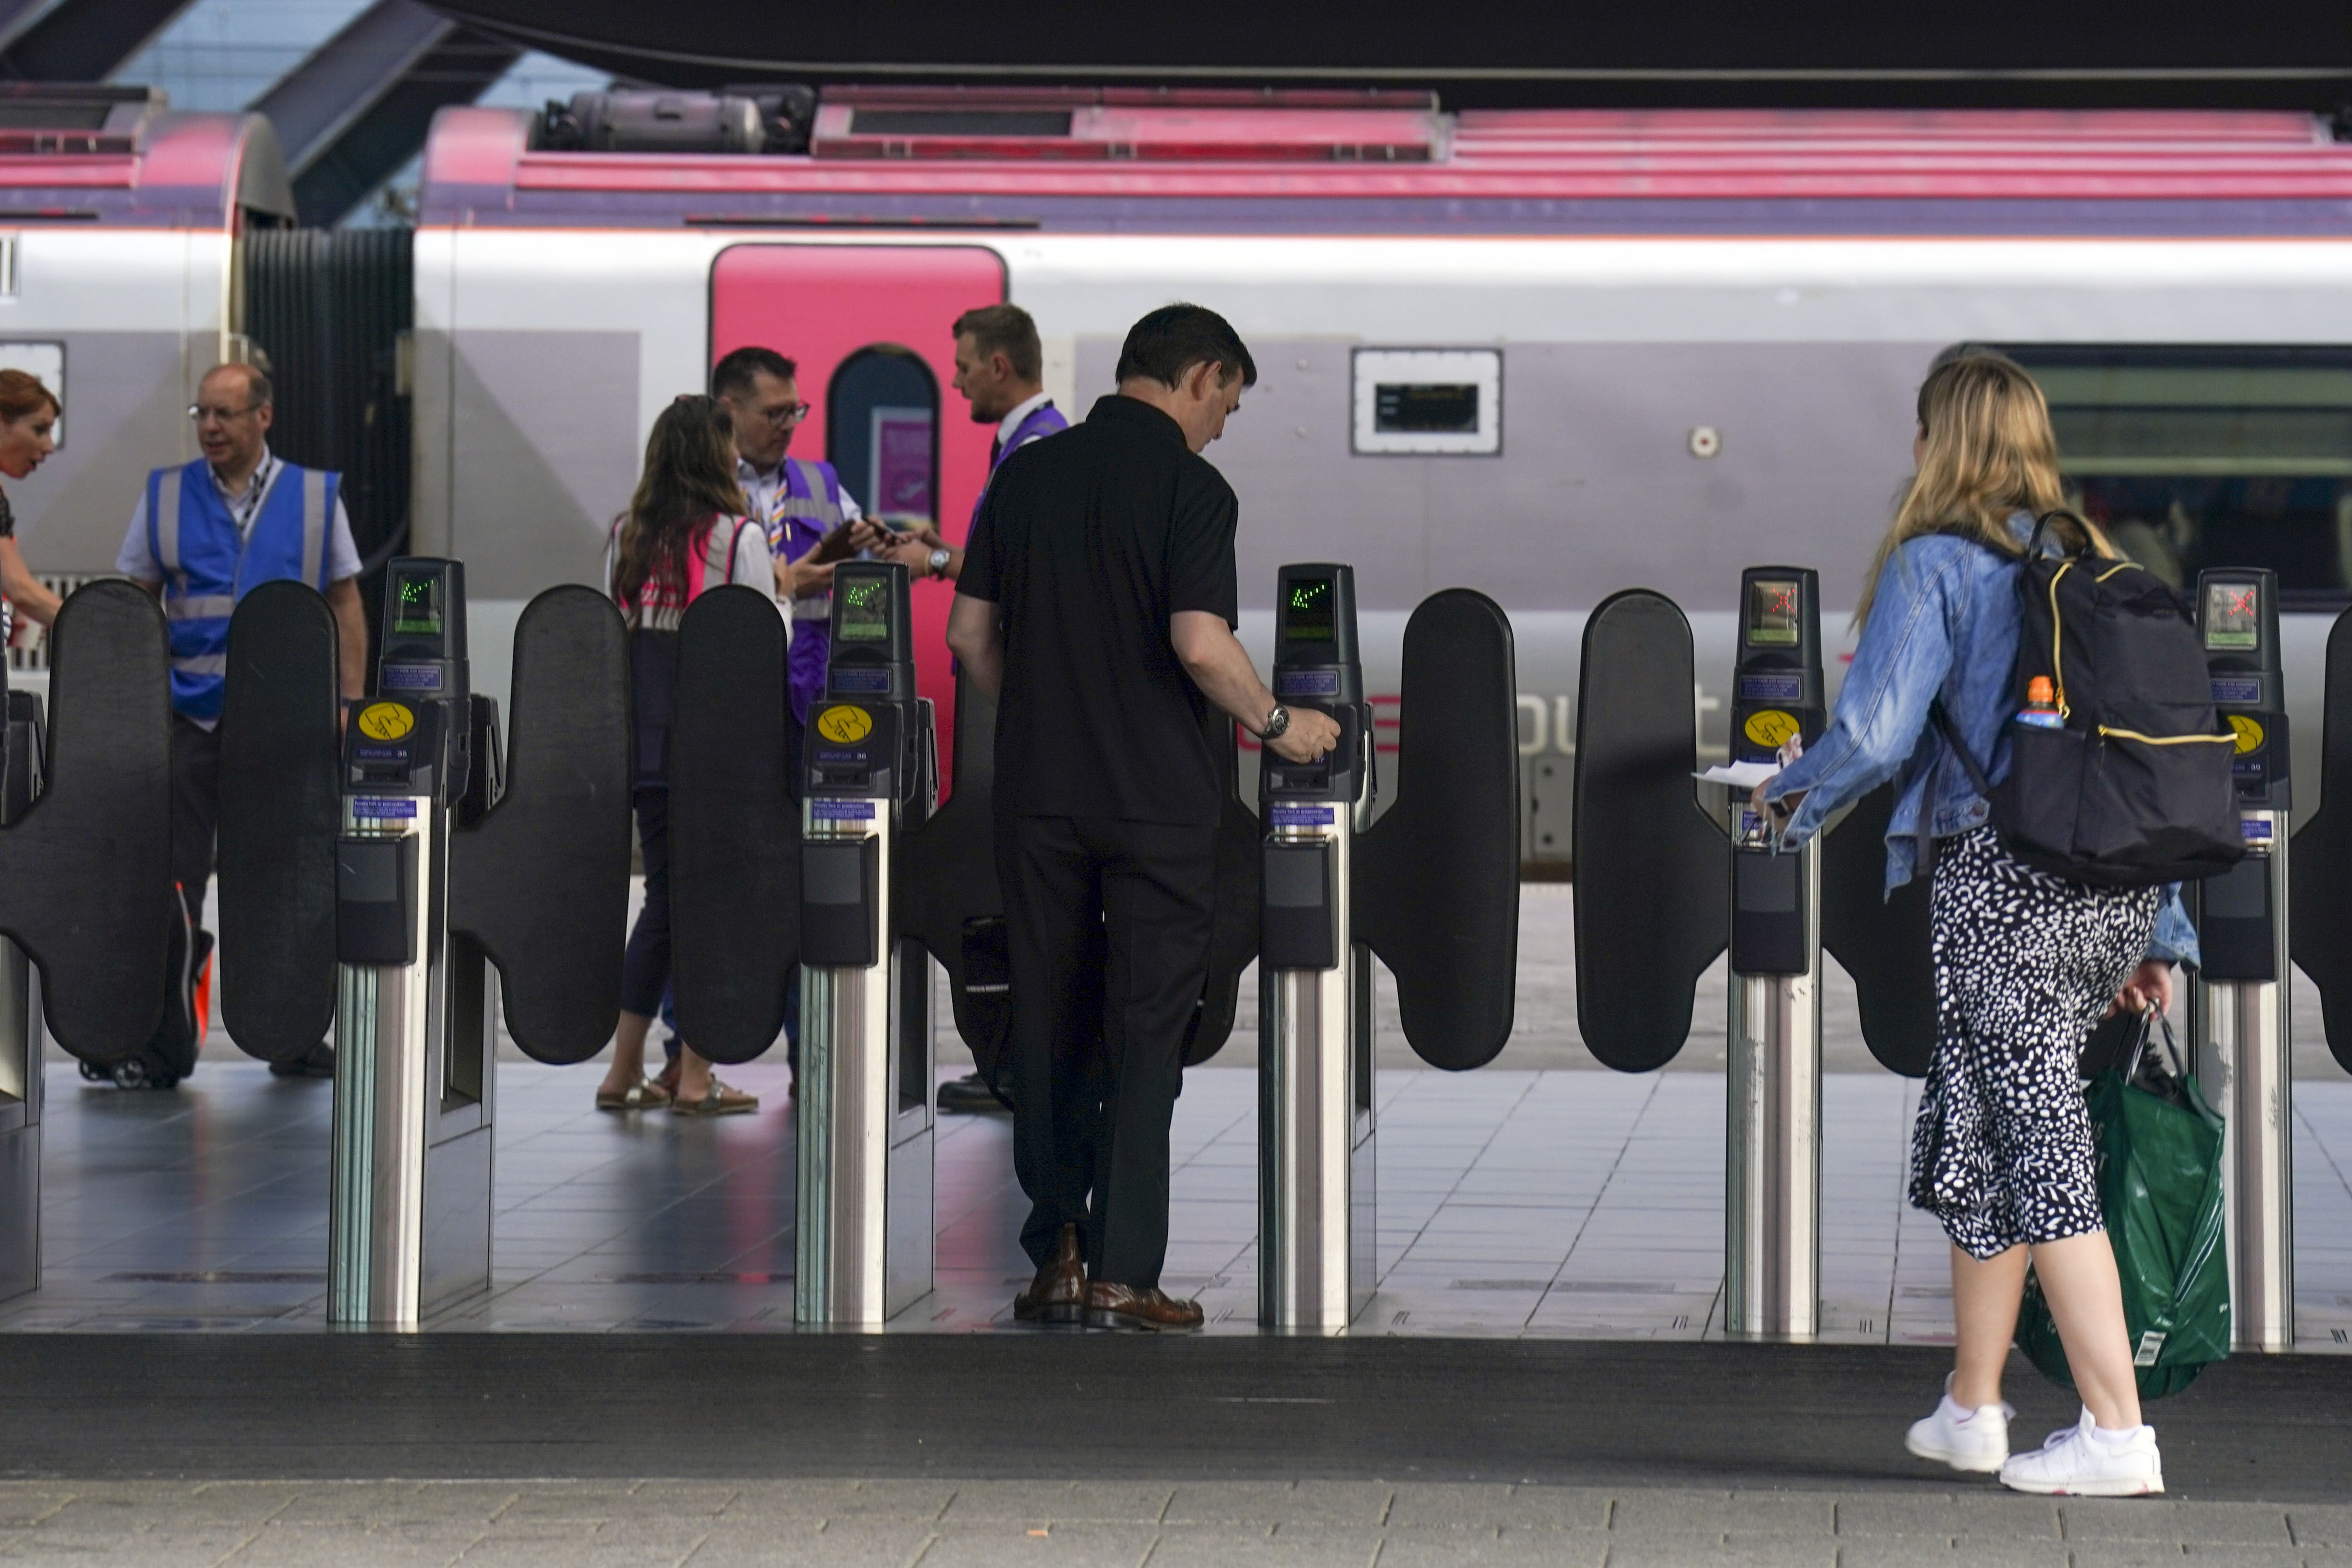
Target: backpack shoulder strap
x=1951 y=734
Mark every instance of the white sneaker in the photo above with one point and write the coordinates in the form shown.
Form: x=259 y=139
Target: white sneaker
x=2082 y=1462
x=1963 y=1438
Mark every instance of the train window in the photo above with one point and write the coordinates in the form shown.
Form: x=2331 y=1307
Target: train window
x=881 y=431
x=2193 y=457
x=1421 y=401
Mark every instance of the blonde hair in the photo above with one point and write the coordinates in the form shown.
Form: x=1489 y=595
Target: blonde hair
x=1989 y=452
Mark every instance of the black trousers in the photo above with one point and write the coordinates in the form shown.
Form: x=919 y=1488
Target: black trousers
x=645 y=962
x=196 y=811
x=1108 y=923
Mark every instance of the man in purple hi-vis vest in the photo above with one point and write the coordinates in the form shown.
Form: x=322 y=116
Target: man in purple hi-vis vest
x=999 y=367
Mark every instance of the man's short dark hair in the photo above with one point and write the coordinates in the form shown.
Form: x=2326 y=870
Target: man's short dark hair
x=258 y=389
x=1175 y=338
x=732 y=376
x=1005 y=329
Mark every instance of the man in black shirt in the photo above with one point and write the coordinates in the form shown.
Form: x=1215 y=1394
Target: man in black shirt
x=1097 y=603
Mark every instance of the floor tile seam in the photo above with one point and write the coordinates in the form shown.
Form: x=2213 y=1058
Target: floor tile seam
x=1471 y=1165
x=1600 y=1197
x=2343 y=1178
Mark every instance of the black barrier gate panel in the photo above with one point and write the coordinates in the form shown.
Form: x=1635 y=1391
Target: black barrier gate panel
x=1653 y=877
x=1437 y=877
x=1234 y=925
x=85 y=871
x=541 y=881
x=1881 y=942
x=2319 y=934
x=734 y=827
x=280 y=810
x=947 y=898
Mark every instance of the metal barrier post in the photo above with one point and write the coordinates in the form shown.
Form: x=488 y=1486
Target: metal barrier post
x=2239 y=1024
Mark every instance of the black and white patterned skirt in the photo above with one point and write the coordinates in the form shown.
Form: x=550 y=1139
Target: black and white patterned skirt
x=2025 y=964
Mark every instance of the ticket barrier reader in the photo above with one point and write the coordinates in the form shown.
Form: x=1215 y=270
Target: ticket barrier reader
x=1316 y=1228
x=1431 y=888
x=2238 y=1013
x=863 y=1124
x=20 y=1025
x=371 y=885
x=1772 y=1177
x=85 y=854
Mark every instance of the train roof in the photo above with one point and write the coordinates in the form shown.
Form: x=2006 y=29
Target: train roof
x=1291 y=163
x=118 y=157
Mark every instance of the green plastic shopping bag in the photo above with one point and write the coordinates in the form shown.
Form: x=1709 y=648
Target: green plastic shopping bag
x=2159 y=1153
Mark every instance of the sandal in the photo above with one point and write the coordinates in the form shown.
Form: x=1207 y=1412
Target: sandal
x=645 y=1094
x=722 y=1101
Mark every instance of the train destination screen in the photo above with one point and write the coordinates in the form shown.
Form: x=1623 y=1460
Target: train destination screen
x=1308 y=617
x=865 y=610
x=2233 y=614
x=1420 y=407
x=1773 y=612
x=419 y=611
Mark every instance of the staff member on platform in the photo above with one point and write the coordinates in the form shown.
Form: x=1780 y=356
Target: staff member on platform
x=807 y=513
x=29 y=418
x=1097 y=605
x=998 y=363
x=205 y=535
x=999 y=367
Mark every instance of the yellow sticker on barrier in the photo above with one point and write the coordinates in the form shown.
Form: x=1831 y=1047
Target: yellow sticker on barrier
x=1771 y=727
x=844 y=724
x=386 y=721
x=2250 y=732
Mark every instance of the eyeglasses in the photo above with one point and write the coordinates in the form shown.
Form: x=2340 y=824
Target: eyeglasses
x=202 y=411
x=786 y=413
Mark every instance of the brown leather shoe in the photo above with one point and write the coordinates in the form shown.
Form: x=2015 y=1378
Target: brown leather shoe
x=1058 y=1293
x=1111 y=1306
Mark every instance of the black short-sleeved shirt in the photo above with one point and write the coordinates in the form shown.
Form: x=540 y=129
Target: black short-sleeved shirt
x=1087 y=542
x=8 y=518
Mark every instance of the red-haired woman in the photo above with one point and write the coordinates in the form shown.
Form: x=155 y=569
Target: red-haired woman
x=29 y=418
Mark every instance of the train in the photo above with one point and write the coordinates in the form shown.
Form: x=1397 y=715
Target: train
x=1544 y=353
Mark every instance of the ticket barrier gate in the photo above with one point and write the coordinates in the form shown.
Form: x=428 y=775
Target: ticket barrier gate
x=2238 y=1014
x=1658 y=900
x=85 y=855
x=863 y=1126
x=1431 y=888
x=370 y=884
x=20 y=1026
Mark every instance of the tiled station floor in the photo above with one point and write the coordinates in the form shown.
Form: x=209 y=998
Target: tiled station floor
x=1544 y=1199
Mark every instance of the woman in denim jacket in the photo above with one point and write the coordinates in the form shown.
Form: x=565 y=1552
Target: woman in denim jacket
x=2025 y=964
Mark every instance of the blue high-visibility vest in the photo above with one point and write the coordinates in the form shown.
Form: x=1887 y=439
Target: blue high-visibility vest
x=208 y=566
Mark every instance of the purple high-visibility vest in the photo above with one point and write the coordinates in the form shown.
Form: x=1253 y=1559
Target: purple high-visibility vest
x=1042 y=421
x=806 y=508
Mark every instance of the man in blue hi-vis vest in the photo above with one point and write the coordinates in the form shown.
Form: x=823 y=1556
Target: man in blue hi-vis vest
x=204 y=535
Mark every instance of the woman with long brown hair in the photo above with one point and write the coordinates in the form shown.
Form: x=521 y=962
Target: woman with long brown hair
x=28 y=417
x=683 y=534
x=2025 y=964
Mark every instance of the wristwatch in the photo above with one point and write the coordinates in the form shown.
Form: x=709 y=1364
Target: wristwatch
x=940 y=558
x=1277 y=724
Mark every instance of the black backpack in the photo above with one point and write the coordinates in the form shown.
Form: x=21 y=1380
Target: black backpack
x=2136 y=790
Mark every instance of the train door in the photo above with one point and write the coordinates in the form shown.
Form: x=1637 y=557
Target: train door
x=868 y=327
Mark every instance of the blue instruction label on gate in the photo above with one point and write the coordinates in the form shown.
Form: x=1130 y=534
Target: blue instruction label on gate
x=842 y=811
x=1302 y=816
x=410 y=678
x=395 y=806
x=2252 y=831
x=2242 y=690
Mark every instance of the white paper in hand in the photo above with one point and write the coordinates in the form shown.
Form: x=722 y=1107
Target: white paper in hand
x=1740 y=775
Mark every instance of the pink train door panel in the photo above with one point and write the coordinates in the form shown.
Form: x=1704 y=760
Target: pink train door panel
x=868 y=326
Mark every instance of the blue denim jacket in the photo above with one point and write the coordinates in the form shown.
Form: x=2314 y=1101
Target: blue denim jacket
x=1943 y=621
